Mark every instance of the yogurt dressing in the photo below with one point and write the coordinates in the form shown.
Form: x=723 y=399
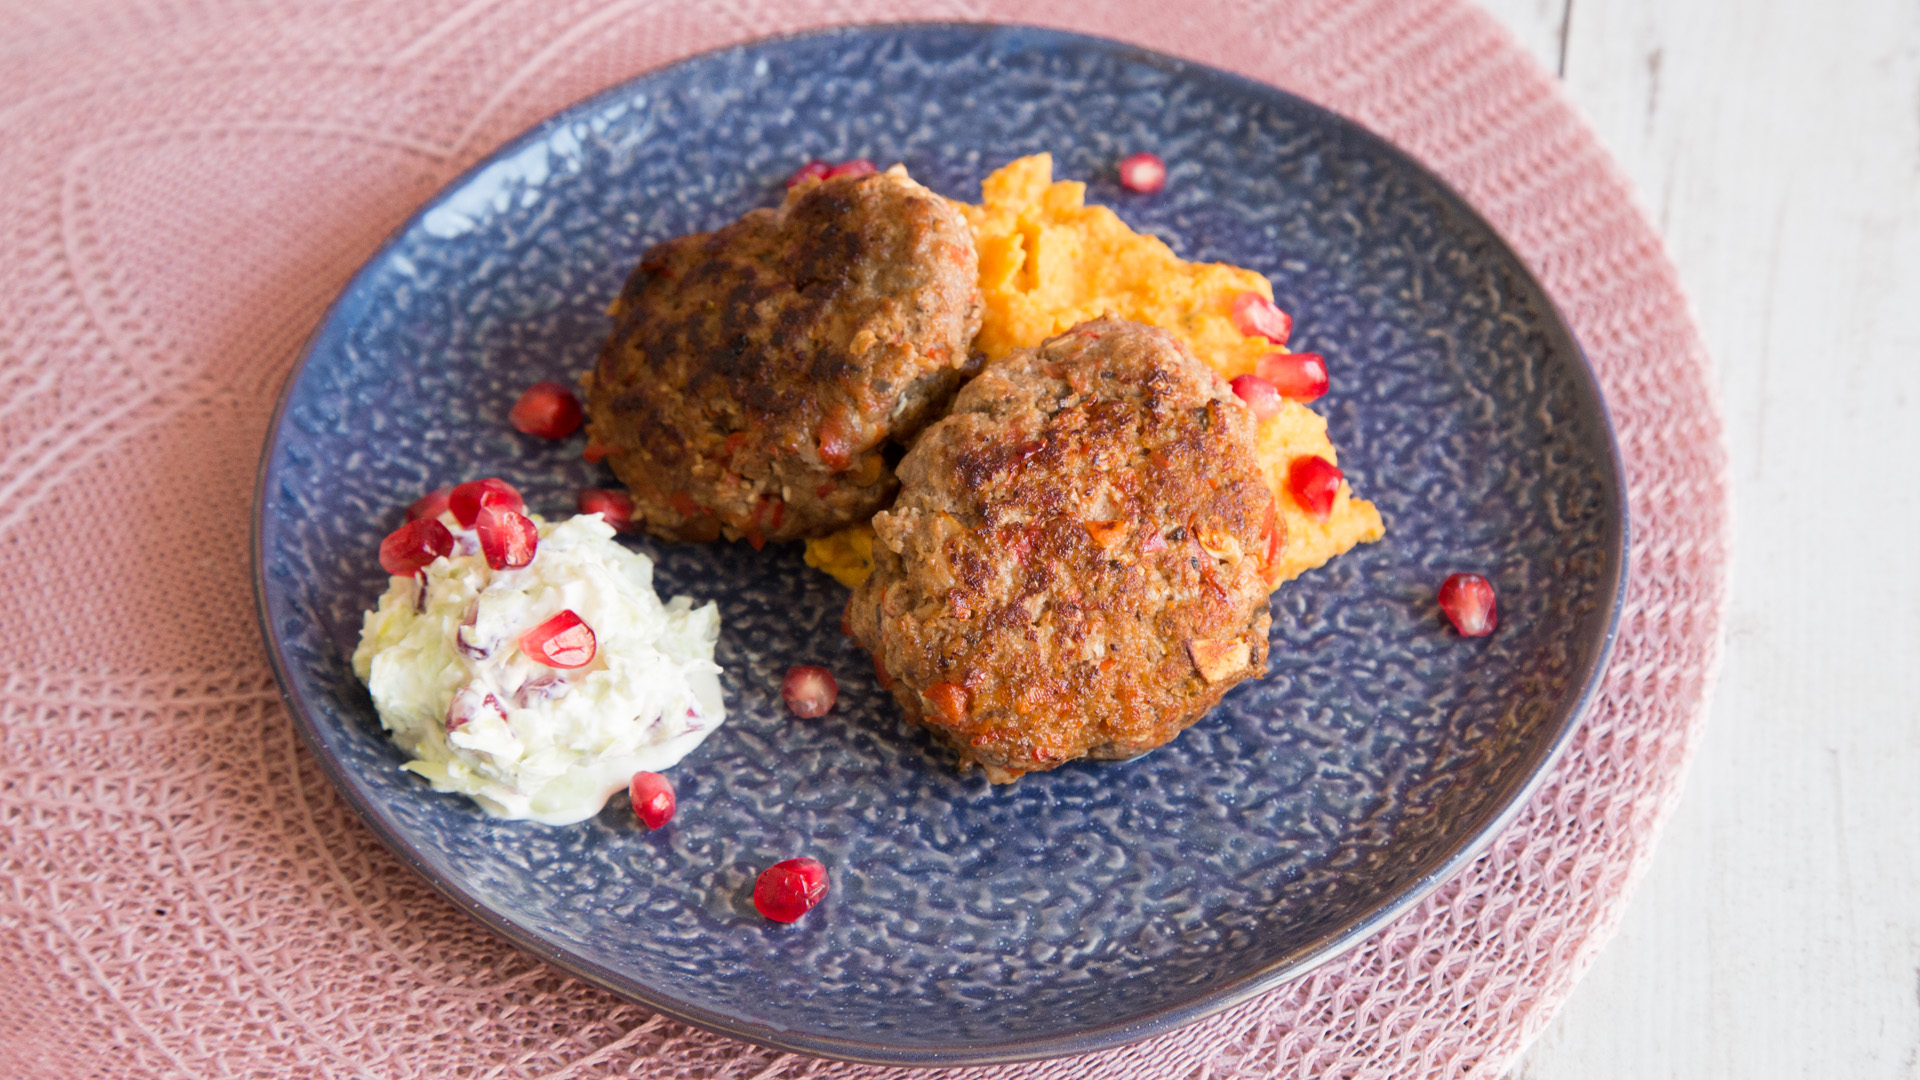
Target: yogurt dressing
x=528 y=741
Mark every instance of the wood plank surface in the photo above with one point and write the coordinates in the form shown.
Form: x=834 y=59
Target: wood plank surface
x=1777 y=146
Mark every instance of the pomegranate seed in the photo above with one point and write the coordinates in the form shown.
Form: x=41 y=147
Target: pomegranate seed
x=809 y=691
x=466 y=500
x=855 y=167
x=1144 y=173
x=430 y=505
x=1301 y=376
x=1255 y=316
x=614 y=506
x=546 y=409
x=469 y=705
x=412 y=546
x=564 y=641
x=787 y=890
x=1468 y=601
x=1314 y=481
x=507 y=539
x=1260 y=396
x=814 y=170
x=652 y=798
x=594 y=453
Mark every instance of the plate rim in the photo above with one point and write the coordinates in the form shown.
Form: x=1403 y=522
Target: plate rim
x=1613 y=580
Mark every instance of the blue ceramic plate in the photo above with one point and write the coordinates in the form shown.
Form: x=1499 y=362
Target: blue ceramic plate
x=1078 y=909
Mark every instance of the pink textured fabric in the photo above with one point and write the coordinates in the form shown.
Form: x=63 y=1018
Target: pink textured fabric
x=184 y=185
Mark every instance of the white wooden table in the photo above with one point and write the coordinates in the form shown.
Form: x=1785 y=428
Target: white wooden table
x=1776 y=144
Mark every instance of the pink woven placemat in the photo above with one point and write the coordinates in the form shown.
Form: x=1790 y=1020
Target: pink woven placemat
x=184 y=186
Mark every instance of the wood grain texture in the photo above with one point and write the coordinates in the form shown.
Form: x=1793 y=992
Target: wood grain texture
x=1777 y=146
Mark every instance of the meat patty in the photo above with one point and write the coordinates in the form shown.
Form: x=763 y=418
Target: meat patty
x=1074 y=566
x=755 y=374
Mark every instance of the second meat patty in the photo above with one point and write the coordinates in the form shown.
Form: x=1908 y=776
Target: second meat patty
x=756 y=374
x=1074 y=566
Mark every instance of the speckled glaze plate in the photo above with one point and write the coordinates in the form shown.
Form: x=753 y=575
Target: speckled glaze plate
x=1082 y=908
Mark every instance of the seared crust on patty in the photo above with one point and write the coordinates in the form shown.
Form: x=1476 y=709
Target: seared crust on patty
x=1074 y=565
x=754 y=374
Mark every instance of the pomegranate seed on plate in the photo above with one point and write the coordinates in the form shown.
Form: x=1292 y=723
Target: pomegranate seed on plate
x=507 y=539
x=412 y=546
x=854 y=167
x=1260 y=396
x=614 y=506
x=652 y=798
x=1255 y=316
x=564 y=641
x=466 y=500
x=809 y=691
x=787 y=890
x=594 y=453
x=430 y=505
x=815 y=169
x=1143 y=172
x=546 y=409
x=1468 y=601
x=1301 y=376
x=1314 y=482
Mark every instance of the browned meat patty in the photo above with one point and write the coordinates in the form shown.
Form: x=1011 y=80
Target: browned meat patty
x=756 y=373
x=1074 y=564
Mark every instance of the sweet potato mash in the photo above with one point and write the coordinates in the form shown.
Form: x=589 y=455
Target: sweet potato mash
x=1049 y=261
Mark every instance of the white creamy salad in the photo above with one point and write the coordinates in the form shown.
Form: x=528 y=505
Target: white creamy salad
x=529 y=740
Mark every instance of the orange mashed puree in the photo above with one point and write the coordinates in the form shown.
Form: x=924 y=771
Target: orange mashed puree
x=1049 y=261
